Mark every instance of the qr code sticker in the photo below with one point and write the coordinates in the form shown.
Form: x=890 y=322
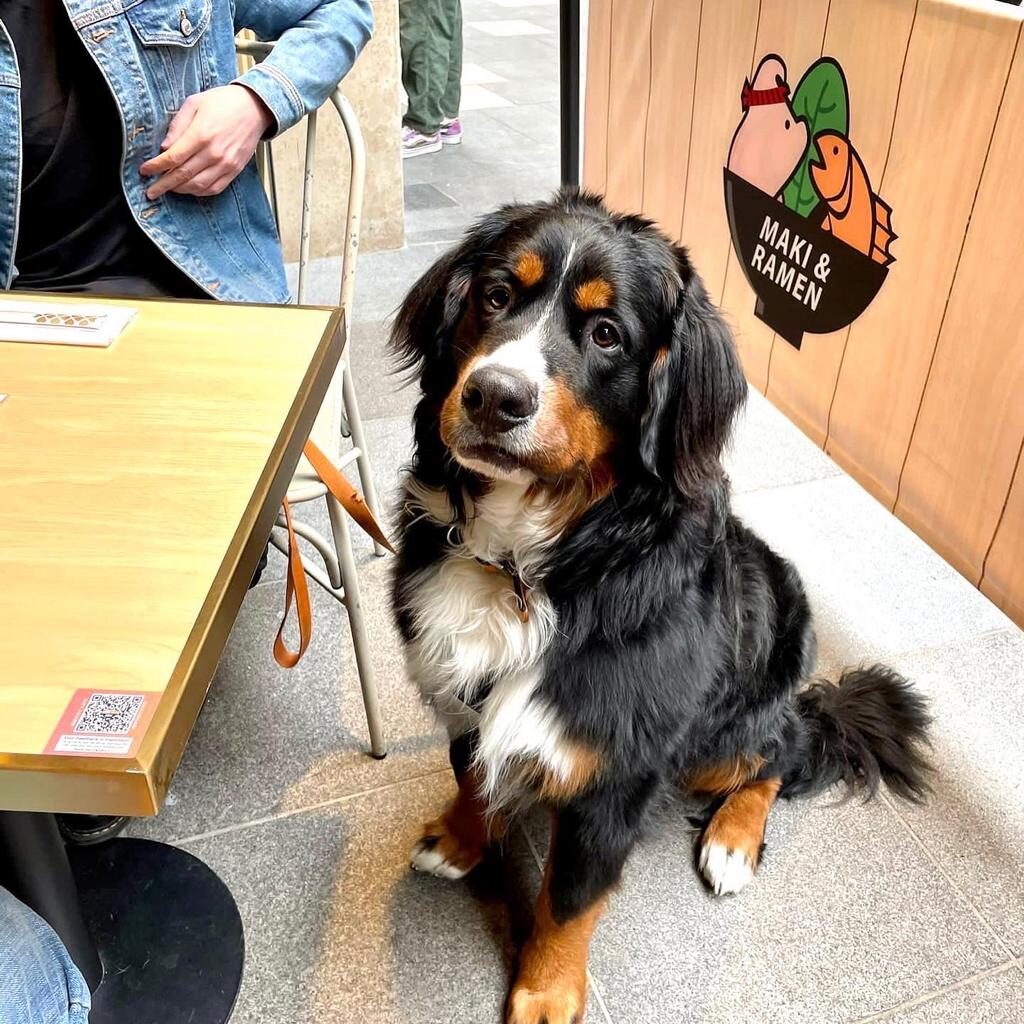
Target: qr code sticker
x=110 y=713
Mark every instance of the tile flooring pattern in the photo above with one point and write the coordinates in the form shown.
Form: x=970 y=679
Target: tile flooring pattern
x=860 y=913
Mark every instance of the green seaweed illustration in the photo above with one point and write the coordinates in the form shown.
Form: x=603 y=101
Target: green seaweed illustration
x=822 y=101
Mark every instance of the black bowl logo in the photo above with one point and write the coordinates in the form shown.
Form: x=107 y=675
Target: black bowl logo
x=812 y=237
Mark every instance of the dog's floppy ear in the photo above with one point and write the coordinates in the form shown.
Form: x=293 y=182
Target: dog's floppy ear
x=696 y=388
x=432 y=309
x=434 y=306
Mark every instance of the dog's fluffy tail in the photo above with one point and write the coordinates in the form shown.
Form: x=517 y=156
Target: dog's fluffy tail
x=870 y=727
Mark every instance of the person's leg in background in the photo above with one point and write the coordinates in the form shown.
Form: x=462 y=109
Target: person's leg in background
x=420 y=73
x=426 y=29
x=451 y=125
x=39 y=982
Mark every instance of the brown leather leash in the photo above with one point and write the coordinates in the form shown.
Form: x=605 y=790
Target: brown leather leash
x=296 y=587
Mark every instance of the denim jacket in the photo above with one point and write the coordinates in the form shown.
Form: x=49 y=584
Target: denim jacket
x=154 y=54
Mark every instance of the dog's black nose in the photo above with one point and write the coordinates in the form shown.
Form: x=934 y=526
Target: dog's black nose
x=497 y=399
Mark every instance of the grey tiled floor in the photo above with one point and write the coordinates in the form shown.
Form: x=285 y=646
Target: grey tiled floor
x=878 y=912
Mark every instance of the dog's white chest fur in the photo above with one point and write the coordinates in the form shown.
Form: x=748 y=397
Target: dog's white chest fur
x=469 y=632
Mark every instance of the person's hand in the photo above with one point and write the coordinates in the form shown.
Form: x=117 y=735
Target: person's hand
x=210 y=140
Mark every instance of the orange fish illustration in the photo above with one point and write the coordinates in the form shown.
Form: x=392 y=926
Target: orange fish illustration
x=855 y=214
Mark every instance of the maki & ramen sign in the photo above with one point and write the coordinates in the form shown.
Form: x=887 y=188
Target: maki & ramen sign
x=813 y=238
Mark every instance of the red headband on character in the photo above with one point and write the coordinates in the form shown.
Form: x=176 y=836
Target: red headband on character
x=751 y=97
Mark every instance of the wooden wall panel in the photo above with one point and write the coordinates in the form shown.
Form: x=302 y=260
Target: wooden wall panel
x=802 y=382
x=955 y=71
x=628 y=102
x=675 y=29
x=920 y=399
x=725 y=50
x=795 y=32
x=963 y=451
x=1003 y=581
x=595 y=109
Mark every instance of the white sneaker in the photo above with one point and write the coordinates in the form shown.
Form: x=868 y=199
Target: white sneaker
x=415 y=143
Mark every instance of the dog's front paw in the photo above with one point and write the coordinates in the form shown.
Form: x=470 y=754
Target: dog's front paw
x=726 y=870
x=442 y=852
x=559 y=1004
x=730 y=847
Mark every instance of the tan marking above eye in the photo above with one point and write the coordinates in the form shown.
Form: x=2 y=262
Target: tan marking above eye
x=529 y=269
x=594 y=294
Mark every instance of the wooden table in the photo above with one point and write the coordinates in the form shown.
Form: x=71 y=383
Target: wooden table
x=139 y=484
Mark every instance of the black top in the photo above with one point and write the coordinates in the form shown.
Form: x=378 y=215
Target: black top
x=75 y=231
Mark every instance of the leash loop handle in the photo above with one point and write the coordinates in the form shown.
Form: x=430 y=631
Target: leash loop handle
x=296 y=587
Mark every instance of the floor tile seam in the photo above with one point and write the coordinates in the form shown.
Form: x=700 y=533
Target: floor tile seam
x=595 y=988
x=407 y=245
x=761 y=489
x=915 y=652
x=828 y=478
x=527 y=139
x=305 y=809
x=405 y=418
x=999 y=968
x=591 y=977
x=831 y=478
x=1001 y=943
x=937 y=993
x=446 y=241
x=882 y=1015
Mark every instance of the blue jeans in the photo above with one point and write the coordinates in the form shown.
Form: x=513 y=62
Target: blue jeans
x=39 y=983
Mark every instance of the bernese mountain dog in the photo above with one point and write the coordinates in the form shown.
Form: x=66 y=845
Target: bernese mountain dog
x=577 y=601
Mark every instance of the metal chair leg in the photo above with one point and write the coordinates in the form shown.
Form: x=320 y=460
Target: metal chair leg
x=352 y=423
x=355 y=423
x=360 y=639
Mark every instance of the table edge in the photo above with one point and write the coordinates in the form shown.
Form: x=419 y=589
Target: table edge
x=137 y=786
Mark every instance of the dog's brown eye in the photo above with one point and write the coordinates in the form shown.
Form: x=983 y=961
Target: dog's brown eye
x=498 y=297
x=605 y=335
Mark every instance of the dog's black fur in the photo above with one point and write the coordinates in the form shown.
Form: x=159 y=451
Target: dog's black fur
x=682 y=639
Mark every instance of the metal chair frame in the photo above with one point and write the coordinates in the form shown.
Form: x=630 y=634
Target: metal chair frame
x=339 y=577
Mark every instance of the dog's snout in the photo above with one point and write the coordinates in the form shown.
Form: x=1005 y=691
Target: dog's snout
x=496 y=399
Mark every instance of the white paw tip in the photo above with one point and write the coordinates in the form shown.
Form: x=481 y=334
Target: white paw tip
x=726 y=871
x=426 y=858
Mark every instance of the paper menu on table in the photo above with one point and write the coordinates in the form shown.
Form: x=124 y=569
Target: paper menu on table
x=62 y=323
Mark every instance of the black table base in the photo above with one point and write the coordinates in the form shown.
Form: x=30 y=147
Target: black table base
x=164 y=927
x=569 y=82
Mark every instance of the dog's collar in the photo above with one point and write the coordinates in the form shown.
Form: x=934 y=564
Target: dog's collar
x=519 y=587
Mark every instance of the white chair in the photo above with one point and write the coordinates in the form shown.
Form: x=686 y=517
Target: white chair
x=338 y=576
